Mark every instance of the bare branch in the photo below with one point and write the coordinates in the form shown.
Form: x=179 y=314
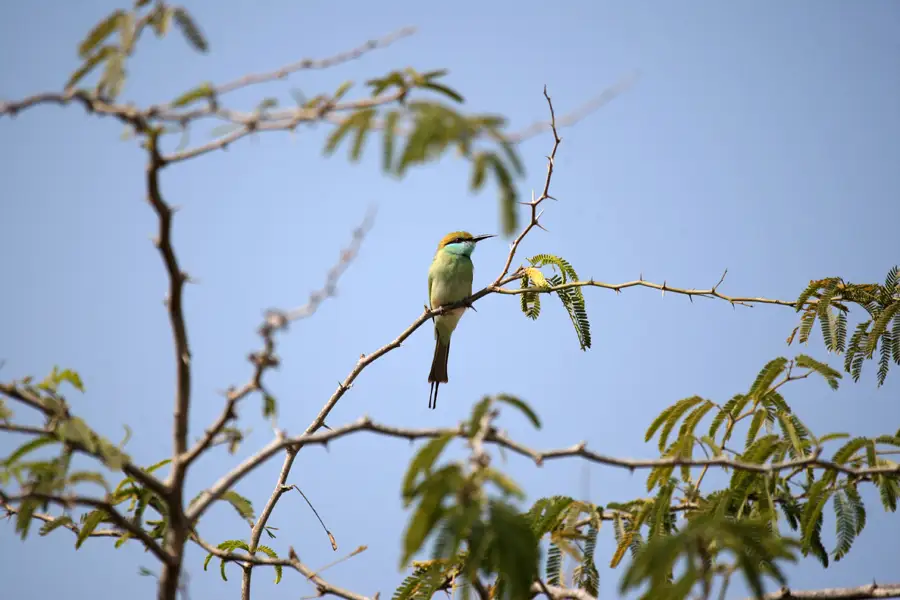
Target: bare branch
x=534 y=202
x=323 y=587
x=617 y=287
x=177 y=279
x=559 y=593
x=24 y=429
x=609 y=94
x=276 y=321
x=872 y=590
x=324 y=63
x=90 y=101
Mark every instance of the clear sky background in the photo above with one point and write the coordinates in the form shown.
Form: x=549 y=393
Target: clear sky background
x=762 y=137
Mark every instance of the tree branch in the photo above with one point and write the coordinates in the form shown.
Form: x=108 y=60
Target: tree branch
x=106 y=507
x=276 y=321
x=323 y=587
x=25 y=397
x=872 y=590
x=538 y=456
x=12 y=510
x=535 y=216
x=664 y=287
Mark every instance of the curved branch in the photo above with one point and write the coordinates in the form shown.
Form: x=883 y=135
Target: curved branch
x=106 y=507
x=499 y=439
x=45 y=518
x=872 y=590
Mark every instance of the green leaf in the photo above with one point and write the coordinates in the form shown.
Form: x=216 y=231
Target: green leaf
x=522 y=406
x=442 y=89
x=502 y=481
x=157 y=466
x=271 y=554
x=389 y=133
x=553 y=565
x=423 y=462
x=830 y=375
x=270 y=406
x=432 y=493
x=845 y=524
x=204 y=90
x=189 y=29
x=758 y=418
x=100 y=32
x=91 y=520
x=242 y=505
x=515 y=553
x=28 y=447
x=56 y=523
x=767 y=376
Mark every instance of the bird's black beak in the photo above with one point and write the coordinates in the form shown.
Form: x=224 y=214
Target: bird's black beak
x=478 y=238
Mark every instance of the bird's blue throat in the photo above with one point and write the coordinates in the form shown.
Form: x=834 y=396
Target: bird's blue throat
x=460 y=248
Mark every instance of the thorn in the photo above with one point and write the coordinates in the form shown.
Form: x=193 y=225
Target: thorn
x=539 y=226
x=550 y=197
x=641 y=276
x=691 y=298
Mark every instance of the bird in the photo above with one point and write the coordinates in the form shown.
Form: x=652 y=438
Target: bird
x=449 y=281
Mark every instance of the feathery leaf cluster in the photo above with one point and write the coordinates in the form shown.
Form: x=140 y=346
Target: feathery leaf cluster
x=572 y=298
x=827 y=300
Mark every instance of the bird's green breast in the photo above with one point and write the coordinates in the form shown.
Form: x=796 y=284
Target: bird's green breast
x=450 y=278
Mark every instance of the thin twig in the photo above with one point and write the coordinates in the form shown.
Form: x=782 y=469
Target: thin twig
x=535 y=202
x=109 y=509
x=12 y=391
x=12 y=510
x=315 y=512
x=618 y=287
x=872 y=590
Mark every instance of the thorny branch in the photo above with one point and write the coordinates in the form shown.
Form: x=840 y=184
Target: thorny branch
x=276 y=321
x=538 y=456
x=150 y=123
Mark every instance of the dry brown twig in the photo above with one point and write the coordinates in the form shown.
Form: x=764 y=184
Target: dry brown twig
x=146 y=122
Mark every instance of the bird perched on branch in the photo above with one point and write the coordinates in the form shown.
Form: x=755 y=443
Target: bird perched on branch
x=449 y=281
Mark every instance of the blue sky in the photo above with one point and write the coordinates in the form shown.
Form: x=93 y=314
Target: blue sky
x=761 y=137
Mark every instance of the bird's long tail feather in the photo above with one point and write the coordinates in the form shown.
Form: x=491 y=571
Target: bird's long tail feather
x=438 y=373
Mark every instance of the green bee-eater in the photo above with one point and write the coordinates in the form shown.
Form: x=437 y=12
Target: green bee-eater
x=449 y=281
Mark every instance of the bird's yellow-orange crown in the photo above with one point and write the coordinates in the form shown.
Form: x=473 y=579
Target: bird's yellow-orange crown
x=455 y=236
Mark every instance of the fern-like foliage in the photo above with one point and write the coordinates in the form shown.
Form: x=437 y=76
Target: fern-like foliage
x=827 y=300
x=572 y=298
x=760 y=504
x=472 y=513
x=431 y=128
